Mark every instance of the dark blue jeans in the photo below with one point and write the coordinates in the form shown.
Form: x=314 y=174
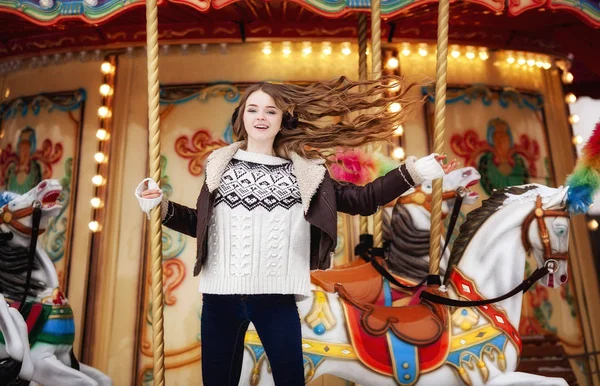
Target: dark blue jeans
x=224 y=322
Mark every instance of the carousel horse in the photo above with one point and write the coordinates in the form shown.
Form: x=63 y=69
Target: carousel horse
x=14 y=330
x=351 y=328
x=407 y=223
x=46 y=311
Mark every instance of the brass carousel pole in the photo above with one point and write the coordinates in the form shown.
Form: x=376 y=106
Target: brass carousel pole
x=376 y=69
x=438 y=144
x=362 y=75
x=155 y=218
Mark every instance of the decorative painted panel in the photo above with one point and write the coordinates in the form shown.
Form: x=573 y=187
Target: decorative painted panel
x=40 y=138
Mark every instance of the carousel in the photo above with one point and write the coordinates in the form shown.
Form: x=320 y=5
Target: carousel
x=96 y=95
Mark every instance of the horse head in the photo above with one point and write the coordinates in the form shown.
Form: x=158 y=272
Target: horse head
x=545 y=232
x=16 y=210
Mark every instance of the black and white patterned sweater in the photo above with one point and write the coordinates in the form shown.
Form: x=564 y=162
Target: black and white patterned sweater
x=259 y=240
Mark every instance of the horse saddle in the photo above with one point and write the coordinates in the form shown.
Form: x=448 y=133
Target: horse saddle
x=362 y=282
x=417 y=324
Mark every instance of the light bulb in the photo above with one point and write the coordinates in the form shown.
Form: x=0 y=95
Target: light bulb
x=306 y=48
x=405 y=49
x=286 y=48
x=574 y=119
x=94 y=226
x=392 y=63
x=577 y=140
x=570 y=98
x=399 y=130
x=326 y=48
x=97 y=180
x=483 y=54
x=593 y=225
x=100 y=157
x=106 y=68
x=102 y=134
x=395 y=107
x=104 y=112
x=106 y=90
x=423 y=49
x=398 y=153
x=96 y=202
x=267 y=49
x=346 y=48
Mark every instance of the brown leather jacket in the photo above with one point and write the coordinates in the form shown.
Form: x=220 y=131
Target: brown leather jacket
x=322 y=198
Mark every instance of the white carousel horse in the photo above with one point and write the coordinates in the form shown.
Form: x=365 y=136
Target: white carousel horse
x=478 y=345
x=14 y=331
x=47 y=310
x=407 y=223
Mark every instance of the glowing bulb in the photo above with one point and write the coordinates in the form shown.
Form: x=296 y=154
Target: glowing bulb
x=547 y=65
x=326 y=48
x=306 y=48
x=399 y=153
x=392 y=63
x=593 y=225
x=568 y=78
x=286 y=48
x=510 y=60
x=394 y=87
x=267 y=49
x=399 y=130
x=100 y=157
x=531 y=62
x=94 y=226
x=106 y=90
x=98 y=180
x=521 y=61
x=577 y=140
x=574 y=119
x=102 y=134
x=395 y=107
x=103 y=112
x=570 y=98
x=455 y=51
x=346 y=48
x=483 y=54
x=405 y=49
x=470 y=53
x=96 y=202
x=106 y=68
x=423 y=49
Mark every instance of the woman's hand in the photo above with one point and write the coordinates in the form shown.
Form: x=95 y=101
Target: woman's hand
x=447 y=167
x=150 y=193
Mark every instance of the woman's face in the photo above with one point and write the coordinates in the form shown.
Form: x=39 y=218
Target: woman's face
x=262 y=118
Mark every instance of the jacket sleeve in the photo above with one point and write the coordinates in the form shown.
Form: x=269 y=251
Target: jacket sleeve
x=365 y=200
x=180 y=218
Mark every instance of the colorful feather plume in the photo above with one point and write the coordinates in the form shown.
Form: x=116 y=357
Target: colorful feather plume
x=359 y=167
x=585 y=180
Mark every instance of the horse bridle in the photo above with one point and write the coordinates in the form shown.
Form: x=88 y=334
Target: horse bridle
x=419 y=197
x=12 y=218
x=550 y=259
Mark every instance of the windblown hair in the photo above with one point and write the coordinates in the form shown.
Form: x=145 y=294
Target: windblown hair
x=476 y=218
x=315 y=136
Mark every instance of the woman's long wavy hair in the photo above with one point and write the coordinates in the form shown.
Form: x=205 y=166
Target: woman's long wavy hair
x=316 y=136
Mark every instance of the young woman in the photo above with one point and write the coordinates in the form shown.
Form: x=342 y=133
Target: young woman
x=267 y=213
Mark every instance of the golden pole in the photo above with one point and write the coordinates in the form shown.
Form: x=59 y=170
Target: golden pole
x=155 y=218
x=438 y=143
x=376 y=63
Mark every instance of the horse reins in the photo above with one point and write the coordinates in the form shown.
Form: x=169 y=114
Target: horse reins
x=550 y=263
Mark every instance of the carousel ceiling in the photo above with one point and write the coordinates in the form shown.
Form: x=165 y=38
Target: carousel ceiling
x=558 y=27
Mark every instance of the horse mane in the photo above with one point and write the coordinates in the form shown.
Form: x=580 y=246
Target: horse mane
x=408 y=253
x=13 y=272
x=476 y=218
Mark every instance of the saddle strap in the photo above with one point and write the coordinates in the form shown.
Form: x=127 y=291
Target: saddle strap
x=524 y=286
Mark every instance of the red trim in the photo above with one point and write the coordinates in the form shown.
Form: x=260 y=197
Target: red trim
x=496 y=316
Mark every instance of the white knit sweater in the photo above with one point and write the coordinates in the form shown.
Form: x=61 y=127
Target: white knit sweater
x=259 y=240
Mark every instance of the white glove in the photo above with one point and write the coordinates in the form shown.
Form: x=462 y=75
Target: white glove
x=429 y=168
x=147 y=204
